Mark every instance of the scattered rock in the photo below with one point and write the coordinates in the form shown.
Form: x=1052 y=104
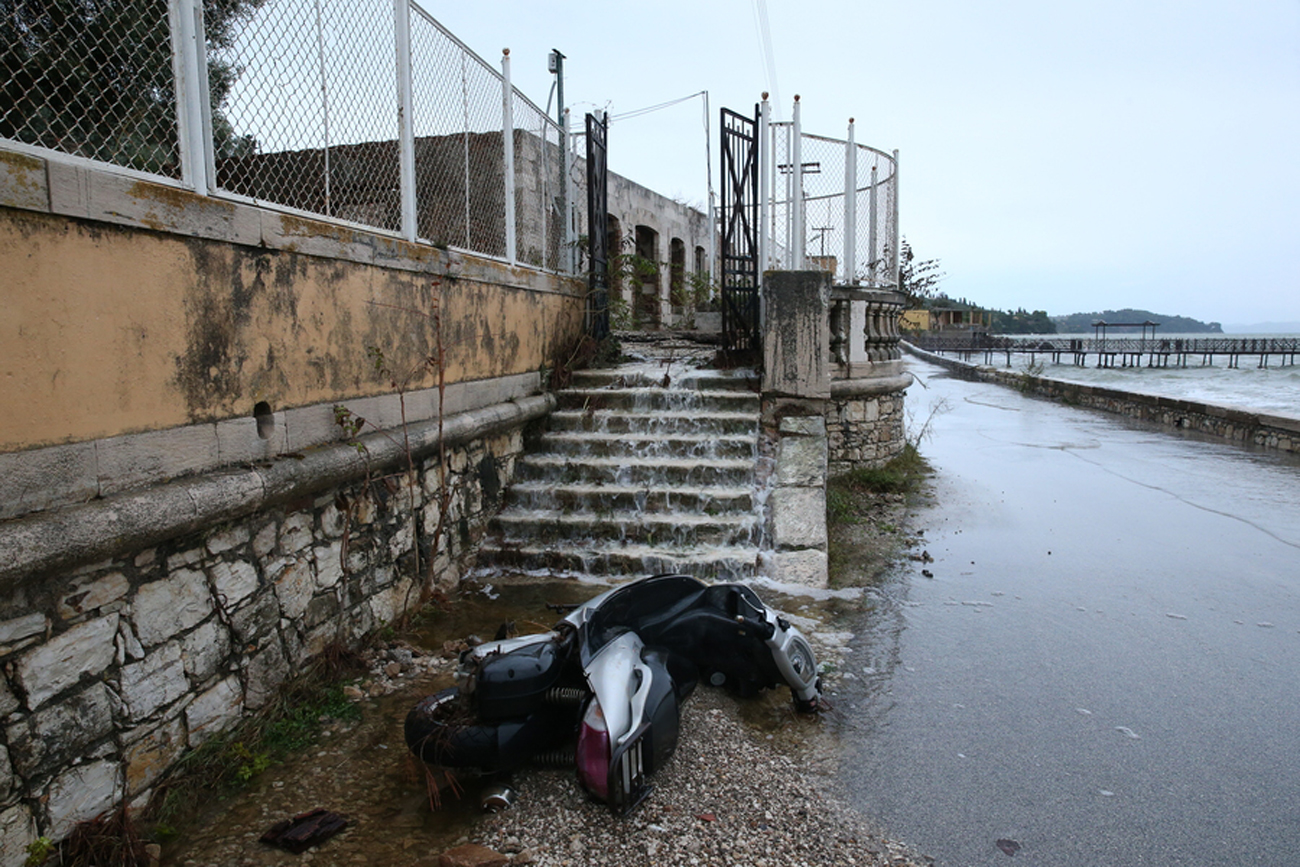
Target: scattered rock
x=472 y=855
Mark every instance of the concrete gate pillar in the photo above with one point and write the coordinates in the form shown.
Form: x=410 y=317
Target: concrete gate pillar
x=796 y=388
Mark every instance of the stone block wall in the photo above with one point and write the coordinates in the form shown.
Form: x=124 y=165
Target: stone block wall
x=111 y=671
x=864 y=430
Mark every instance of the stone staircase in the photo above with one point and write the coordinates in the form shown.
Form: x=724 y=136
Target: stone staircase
x=636 y=477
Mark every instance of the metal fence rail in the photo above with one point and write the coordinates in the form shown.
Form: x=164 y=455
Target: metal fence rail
x=367 y=112
x=833 y=205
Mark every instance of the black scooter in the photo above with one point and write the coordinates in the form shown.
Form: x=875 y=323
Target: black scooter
x=606 y=684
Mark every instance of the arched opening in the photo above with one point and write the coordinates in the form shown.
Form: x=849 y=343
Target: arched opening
x=646 y=311
x=615 y=254
x=677 y=294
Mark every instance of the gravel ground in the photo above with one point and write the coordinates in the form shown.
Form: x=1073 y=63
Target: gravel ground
x=750 y=783
x=728 y=796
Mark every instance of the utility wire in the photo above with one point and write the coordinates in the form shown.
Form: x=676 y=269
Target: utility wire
x=628 y=115
x=769 y=57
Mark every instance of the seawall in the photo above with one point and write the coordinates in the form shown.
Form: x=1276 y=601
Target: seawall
x=1228 y=423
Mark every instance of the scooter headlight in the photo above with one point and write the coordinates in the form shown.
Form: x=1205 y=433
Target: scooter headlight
x=802 y=660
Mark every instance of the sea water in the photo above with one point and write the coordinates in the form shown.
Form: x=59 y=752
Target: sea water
x=1274 y=389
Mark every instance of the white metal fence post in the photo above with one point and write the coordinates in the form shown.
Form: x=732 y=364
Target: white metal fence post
x=567 y=159
x=796 y=192
x=764 y=184
x=405 y=120
x=894 y=269
x=873 y=261
x=850 y=208
x=194 y=114
x=508 y=140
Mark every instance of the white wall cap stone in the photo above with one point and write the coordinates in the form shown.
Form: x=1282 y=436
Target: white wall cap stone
x=23 y=182
x=165 y=608
x=133 y=460
x=37 y=479
x=80 y=794
x=76 y=534
x=86 y=648
x=238 y=441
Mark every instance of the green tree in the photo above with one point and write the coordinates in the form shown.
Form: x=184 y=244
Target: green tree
x=94 y=78
x=918 y=279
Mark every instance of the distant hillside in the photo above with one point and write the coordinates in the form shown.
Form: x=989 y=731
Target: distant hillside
x=1077 y=323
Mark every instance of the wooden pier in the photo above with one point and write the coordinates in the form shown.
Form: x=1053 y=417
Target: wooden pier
x=1142 y=351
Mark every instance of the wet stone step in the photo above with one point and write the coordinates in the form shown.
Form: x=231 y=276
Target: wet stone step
x=651 y=446
x=661 y=472
x=708 y=380
x=657 y=399
x=706 y=563
x=664 y=423
x=630 y=498
x=656 y=530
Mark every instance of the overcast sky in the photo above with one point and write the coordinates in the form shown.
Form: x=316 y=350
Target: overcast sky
x=1055 y=154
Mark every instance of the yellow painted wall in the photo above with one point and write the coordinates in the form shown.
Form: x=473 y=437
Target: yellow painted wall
x=915 y=320
x=106 y=329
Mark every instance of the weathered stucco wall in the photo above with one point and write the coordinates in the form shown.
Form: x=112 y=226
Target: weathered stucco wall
x=168 y=557
x=112 y=328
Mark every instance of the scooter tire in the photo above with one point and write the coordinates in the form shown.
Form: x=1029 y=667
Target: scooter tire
x=435 y=735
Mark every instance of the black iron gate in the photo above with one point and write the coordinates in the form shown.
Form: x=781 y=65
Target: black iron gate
x=739 y=216
x=597 y=222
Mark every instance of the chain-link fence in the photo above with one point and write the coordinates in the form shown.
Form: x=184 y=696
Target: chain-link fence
x=853 y=236
x=294 y=103
x=93 y=80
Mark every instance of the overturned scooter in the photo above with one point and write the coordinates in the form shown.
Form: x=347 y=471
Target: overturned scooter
x=605 y=686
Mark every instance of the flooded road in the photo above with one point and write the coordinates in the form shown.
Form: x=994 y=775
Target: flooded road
x=1104 y=667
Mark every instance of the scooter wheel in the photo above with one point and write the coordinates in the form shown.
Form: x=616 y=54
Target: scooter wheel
x=436 y=734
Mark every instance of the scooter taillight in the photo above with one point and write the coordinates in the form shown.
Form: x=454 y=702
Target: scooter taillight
x=593 y=752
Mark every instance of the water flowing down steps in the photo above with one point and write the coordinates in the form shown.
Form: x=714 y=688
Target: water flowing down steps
x=636 y=477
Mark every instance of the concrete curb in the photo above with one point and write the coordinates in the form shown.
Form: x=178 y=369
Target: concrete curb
x=72 y=536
